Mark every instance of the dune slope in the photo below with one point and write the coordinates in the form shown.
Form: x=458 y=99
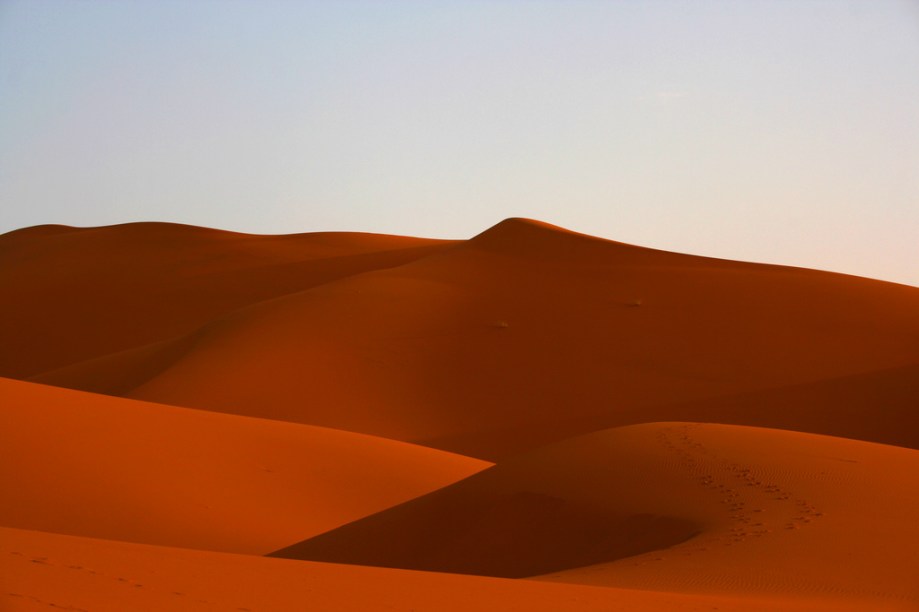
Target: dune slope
x=675 y=507
x=474 y=349
x=81 y=293
x=872 y=406
x=77 y=463
x=41 y=570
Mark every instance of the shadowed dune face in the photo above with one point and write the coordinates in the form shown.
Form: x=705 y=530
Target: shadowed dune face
x=869 y=406
x=489 y=528
x=81 y=293
x=673 y=506
x=473 y=348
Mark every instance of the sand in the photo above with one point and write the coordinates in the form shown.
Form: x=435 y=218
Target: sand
x=83 y=293
x=39 y=571
x=675 y=506
x=85 y=464
x=530 y=419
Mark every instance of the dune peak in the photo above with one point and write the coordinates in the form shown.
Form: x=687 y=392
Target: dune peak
x=516 y=226
x=537 y=239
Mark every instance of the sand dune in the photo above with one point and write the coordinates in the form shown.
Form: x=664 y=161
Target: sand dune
x=82 y=293
x=670 y=432
x=462 y=348
x=870 y=406
x=41 y=570
x=77 y=463
x=666 y=506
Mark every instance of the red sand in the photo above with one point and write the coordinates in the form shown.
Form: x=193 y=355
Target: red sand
x=475 y=348
x=41 y=570
x=731 y=509
x=588 y=369
x=84 y=293
x=85 y=464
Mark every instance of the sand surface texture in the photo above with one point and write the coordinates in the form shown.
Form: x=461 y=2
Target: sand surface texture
x=531 y=419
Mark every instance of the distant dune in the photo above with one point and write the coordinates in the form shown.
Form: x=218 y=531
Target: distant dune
x=83 y=293
x=669 y=432
x=476 y=347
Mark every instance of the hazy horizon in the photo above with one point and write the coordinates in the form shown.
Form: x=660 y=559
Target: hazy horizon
x=759 y=131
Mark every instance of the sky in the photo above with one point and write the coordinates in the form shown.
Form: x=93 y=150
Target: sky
x=780 y=131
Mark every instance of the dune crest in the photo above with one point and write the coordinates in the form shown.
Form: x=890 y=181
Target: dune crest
x=530 y=236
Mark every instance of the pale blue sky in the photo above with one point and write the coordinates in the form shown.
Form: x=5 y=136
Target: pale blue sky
x=784 y=131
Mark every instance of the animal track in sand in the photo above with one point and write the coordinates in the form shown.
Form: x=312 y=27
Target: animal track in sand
x=50 y=604
x=128 y=582
x=744 y=491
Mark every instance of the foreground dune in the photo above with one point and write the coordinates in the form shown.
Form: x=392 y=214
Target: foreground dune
x=671 y=507
x=77 y=463
x=40 y=570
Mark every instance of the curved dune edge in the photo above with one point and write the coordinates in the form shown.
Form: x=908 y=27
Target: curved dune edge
x=82 y=293
x=119 y=373
x=83 y=464
x=38 y=570
x=798 y=513
x=767 y=511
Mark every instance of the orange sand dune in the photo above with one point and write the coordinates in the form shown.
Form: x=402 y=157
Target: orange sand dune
x=84 y=464
x=671 y=432
x=667 y=507
x=40 y=570
x=871 y=406
x=528 y=327
x=878 y=406
x=79 y=293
